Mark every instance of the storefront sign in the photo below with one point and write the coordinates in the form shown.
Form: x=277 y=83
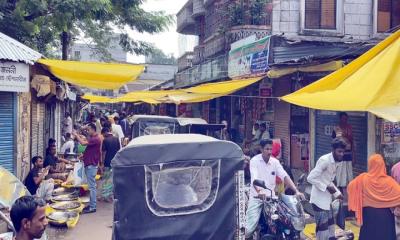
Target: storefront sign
x=265 y=90
x=250 y=59
x=14 y=77
x=390 y=132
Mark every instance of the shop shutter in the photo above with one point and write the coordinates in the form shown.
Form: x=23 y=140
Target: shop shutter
x=324 y=123
x=57 y=125
x=40 y=138
x=34 y=128
x=359 y=122
x=282 y=116
x=7 y=130
x=37 y=130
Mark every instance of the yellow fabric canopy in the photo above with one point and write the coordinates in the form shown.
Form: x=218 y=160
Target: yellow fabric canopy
x=224 y=87
x=93 y=74
x=369 y=83
x=191 y=97
x=201 y=93
x=97 y=99
x=325 y=67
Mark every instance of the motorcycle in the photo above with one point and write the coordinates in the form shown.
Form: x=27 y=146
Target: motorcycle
x=285 y=216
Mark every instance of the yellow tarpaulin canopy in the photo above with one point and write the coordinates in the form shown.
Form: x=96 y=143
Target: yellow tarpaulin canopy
x=93 y=74
x=191 y=97
x=201 y=93
x=97 y=99
x=325 y=67
x=369 y=83
x=224 y=87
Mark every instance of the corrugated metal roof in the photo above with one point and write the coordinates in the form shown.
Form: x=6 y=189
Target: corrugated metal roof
x=11 y=49
x=286 y=53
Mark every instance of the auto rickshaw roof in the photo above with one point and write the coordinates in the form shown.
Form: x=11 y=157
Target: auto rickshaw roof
x=135 y=118
x=154 y=149
x=190 y=121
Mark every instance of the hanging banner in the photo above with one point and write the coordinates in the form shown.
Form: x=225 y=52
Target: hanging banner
x=14 y=77
x=250 y=59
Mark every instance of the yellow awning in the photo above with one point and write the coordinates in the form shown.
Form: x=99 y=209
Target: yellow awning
x=225 y=87
x=191 y=97
x=201 y=93
x=325 y=67
x=369 y=83
x=93 y=74
x=97 y=99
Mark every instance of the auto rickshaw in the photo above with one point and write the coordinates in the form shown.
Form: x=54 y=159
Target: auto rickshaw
x=178 y=187
x=200 y=126
x=152 y=125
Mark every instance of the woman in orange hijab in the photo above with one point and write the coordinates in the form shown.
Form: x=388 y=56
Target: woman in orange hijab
x=371 y=195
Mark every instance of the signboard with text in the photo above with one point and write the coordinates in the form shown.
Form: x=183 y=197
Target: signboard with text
x=250 y=59
x=390 y=132
x=14 y=77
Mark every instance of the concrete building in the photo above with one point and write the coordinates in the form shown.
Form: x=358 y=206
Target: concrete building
x=303 y=33
x=87 y=52
x=154 y=74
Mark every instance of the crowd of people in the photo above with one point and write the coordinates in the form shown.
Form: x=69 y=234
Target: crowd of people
x=373 y=196
x=94 y=141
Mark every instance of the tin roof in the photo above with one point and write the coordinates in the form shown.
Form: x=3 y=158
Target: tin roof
x=11 y=49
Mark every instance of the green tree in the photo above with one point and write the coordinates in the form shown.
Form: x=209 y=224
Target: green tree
x=48 y=24
x=157 y=56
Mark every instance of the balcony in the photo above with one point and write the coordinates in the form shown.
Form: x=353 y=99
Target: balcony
x=198 y=54
x=185 y=61
x=240 y=32
x=214 y=45
x=185 y=22
x=198 y=8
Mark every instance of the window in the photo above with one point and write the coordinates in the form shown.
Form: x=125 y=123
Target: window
x=183 y=187
x=77 y=55
x=388 y=14
x=320 y=14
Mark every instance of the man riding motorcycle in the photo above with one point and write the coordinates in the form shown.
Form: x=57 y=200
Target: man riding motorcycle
x=264 y=167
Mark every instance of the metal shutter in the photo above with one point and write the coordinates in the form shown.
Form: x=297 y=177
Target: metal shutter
x=37 y=130
x=7 y=130
x=34 y=128
x=324 y=123
x=40 y=137
x=282 y=116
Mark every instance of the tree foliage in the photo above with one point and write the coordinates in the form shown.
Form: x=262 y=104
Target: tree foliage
x=157 y=56
x=48 y=24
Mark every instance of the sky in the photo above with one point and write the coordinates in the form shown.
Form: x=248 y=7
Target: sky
x=166 y=41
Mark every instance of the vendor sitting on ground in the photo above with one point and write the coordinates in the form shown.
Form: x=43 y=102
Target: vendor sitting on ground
x=69 y=146
x=35 y=181
x=57 y=165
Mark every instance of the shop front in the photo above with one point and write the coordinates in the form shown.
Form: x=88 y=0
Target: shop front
x=388 y=141
x=14 y=83
x=325 y=122
x=8 y=116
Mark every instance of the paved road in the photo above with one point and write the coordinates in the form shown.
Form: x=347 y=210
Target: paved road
x=94 y=226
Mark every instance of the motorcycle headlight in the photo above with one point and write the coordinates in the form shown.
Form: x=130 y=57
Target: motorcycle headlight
x=298 y=223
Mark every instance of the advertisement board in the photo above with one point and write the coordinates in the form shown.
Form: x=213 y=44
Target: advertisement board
x=249 y=59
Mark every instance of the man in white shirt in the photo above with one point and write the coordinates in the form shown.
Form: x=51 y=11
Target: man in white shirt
x=67 y=124
x=323 y=189
x=264 y=167
x=69 y=145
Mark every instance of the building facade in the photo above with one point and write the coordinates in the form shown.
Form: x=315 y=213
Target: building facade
x=308 y=39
